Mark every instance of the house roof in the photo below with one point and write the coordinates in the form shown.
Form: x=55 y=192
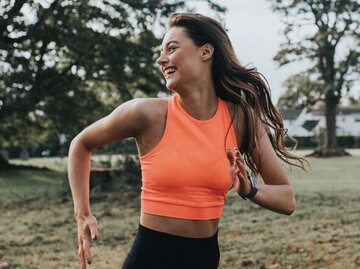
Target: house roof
x=309 y=125
x=290 y=113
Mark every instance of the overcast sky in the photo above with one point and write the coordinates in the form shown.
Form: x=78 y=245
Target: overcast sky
x=256 y=34
x=255 y=31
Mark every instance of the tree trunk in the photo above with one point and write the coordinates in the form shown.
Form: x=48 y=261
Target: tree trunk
x=330 y=149
x=330 y=116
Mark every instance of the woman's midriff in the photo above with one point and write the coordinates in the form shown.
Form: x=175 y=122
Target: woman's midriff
x=180 y=227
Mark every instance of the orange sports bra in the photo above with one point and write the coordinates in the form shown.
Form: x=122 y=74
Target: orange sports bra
x=186 y=175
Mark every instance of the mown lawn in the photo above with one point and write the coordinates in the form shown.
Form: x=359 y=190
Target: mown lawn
x=37 y=229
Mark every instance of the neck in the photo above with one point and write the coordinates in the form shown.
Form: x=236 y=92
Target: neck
x=199 y=103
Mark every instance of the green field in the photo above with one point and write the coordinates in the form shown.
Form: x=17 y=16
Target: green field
x=37 y=229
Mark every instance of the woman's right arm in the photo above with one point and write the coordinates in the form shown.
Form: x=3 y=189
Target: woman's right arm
x=128 y=120
x=79 y=172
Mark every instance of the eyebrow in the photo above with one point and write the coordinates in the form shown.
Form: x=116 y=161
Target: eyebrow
x=167 y=44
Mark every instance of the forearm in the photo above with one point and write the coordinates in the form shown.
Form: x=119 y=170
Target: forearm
x=79 y=173
x=278 y=198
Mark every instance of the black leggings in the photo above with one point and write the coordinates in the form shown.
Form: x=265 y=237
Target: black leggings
x=157 y=250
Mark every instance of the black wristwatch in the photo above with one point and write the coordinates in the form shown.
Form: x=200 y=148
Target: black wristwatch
x=254 y=188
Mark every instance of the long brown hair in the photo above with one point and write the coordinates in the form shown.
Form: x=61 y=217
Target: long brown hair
x=245 y=87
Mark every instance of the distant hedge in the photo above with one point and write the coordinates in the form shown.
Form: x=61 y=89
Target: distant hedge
x=343 y=142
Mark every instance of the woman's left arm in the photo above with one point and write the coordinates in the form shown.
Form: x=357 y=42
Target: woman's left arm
x=276 y=192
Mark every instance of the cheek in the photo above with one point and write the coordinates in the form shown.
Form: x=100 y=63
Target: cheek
x=184 y=58
x=176 y=59
x=192 y=68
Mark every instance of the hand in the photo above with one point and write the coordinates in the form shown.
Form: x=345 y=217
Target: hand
x=87 y=231
x=238 y=173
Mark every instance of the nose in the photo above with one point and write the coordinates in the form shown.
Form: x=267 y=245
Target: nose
x=162 y=60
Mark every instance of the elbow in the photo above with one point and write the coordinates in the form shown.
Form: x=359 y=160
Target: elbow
x=291 y=207
x=74 y=145
x=288 y=204
x=77 y=146
x=80 y=141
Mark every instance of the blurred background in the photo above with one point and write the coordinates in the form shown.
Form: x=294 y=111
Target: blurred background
x=65 y=64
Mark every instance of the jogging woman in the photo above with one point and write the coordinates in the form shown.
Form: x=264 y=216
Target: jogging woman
x=218 y=130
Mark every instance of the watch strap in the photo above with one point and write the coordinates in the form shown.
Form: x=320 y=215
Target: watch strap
x=254 y=189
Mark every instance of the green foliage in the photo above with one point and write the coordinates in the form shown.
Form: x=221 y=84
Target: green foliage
x=3 y=163
x=20 y=183
x=129 y=175
x=301 y=91
x=314 y=31
x=126 y=146
x=65 y=64
x=123 y=173
x=324 y=34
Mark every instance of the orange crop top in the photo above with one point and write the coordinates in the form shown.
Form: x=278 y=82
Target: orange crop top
x=187 y=174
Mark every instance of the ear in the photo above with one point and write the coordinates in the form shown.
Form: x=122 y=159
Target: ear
x=207 y=51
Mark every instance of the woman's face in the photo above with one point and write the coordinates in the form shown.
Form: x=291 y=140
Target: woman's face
x=180 y=61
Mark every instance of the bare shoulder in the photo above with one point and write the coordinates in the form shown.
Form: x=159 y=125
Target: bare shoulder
x=148 y=110
x=130 y=119
x=153 y=112
x=150 y=106
x=140 y=113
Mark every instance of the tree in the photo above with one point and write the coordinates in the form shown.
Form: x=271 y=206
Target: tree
x=326 y=34
x=64 y=64
x=300 y=92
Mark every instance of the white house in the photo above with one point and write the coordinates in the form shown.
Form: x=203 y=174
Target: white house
x=304 y=123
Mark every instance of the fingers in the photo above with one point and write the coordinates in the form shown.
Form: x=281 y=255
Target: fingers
x=230 y=157
x=94 y=233
x=86 y=248
x=240 y=164
x=93 y=229
x=81 y=257
x=84 y=253
x=239 y=176
x=87 y=231
x=236 y=161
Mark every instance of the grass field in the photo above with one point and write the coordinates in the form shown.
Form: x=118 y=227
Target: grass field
x=37 y=229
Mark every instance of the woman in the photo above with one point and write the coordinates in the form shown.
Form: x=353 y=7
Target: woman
x=219 y=117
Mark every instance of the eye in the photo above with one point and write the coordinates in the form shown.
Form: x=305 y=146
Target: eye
x=172 y=48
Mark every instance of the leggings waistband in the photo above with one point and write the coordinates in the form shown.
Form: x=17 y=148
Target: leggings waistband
x=156 y=238
x=152 y=249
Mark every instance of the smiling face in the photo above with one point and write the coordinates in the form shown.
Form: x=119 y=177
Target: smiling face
x=182 y=63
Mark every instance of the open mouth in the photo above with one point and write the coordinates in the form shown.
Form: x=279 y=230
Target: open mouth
x=169 y=71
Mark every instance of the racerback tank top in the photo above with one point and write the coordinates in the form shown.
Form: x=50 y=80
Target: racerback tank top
x=186 y=175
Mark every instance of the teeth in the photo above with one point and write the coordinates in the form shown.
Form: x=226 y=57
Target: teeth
x=170 y=70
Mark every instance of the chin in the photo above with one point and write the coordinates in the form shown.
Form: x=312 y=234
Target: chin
x=171 y=85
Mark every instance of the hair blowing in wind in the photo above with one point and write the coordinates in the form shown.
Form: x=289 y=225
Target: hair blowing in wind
x=240 y=85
